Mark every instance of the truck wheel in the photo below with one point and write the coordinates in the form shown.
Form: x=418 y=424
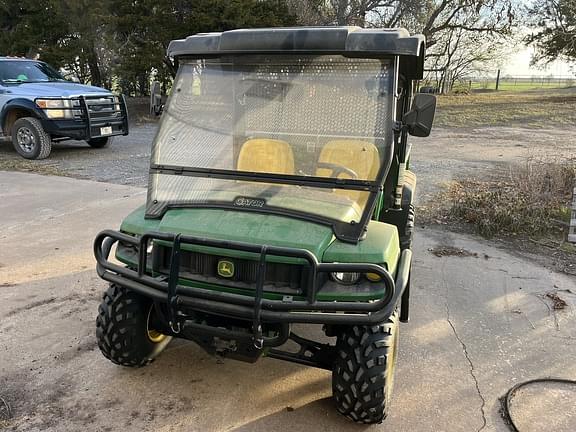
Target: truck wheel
x=29 y=138
x=98 y=142
x=363 y=372
x=124 y=328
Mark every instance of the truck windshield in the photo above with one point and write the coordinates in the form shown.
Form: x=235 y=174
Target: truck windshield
x=300 y=134
x=21 y=71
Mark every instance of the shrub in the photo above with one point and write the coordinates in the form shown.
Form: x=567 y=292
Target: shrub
x=534 y=199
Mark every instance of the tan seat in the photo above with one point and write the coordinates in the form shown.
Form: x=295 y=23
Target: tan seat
x=266 y=155
x=360 y=156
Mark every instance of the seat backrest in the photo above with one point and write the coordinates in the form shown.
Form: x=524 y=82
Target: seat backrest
x=266 y=155
x=360 y=156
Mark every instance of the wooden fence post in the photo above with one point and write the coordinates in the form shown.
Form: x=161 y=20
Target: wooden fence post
x=572 y=232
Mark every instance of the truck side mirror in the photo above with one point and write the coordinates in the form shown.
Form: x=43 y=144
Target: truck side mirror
x=156 y=105
x=421 y=116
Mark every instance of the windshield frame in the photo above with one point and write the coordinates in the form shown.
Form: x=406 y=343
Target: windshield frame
x=58 y=77
x=351 y=232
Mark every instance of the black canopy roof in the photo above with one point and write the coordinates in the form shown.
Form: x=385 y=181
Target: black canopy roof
x=353 y=41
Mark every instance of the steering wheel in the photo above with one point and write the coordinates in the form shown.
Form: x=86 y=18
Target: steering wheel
x=337 y=169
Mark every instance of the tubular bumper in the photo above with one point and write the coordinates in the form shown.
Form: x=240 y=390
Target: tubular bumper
x=251 y=307
x=90 y=116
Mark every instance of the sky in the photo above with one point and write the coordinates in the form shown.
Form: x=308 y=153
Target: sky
x=518 y=64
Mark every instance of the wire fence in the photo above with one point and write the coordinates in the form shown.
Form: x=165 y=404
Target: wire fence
x=520 y=82
x=505 y=82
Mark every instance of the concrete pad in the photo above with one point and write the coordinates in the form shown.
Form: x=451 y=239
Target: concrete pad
x=48 y=223
x=479 y=325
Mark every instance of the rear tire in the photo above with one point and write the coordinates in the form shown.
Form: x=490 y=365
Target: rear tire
x=123 y=329
x=30 y=140
x=363 y=373
x=98 y=142
x=406 y=238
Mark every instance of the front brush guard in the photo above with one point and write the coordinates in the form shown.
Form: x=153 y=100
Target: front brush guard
x=254 y=307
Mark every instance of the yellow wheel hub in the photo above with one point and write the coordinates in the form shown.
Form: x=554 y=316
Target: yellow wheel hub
x=153 y=335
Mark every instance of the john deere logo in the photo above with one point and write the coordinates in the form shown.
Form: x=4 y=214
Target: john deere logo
x=226 y=268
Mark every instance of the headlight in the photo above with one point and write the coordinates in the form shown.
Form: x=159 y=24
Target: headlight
x=56 y=108
x=346 y=278
x=373 y=277
x=117 y=104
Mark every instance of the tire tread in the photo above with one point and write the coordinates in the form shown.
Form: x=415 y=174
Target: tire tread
x=118 y=328
x=44 y=139
x=360 y=371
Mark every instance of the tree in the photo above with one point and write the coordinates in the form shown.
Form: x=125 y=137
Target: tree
x=554 y=24
x=460 y=34
x=23 y=26
x=143 y=28
x=119 y=43
x=461 y=55
x=430 y=17
x=65 y=33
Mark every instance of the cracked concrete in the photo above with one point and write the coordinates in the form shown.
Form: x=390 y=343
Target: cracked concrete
x=472 y=374
x=55 y=379
x=463 y=345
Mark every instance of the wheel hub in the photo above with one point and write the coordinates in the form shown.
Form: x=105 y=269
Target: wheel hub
x=26 y=139
x=154 y=335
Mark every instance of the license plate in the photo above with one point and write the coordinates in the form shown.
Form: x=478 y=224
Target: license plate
x=106 y=130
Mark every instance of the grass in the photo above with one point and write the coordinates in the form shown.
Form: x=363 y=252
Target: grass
x=533 y=109
x=518 y=86
x=533 y=201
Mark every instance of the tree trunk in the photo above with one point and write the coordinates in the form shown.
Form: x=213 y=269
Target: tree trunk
x=95 y=74
x=341 y=16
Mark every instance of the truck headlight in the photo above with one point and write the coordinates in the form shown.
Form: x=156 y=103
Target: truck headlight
x=56 y=108
x=348 y=278
x=117 y=105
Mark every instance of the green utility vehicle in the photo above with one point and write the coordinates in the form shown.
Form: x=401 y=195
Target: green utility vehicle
x=279 y=197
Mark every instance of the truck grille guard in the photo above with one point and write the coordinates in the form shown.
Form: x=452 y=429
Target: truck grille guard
x=94 y=112
x=99 y=111
x=255 y=307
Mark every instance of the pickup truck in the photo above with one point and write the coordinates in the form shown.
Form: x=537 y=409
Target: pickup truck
x=38 y=106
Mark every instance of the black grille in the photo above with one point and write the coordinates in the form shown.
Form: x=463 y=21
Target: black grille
x=280 y=277
x=101 y=107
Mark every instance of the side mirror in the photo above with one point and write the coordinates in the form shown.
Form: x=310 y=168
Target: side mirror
x=420 y=118
x=156 y=106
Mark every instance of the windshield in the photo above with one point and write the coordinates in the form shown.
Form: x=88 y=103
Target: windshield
x=21 y=71
x=315 y=130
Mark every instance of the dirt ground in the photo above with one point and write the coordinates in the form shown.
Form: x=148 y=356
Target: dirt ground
x=481 y=321
x=452 y=154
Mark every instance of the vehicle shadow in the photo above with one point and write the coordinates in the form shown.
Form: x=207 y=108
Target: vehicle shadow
x=316 y=416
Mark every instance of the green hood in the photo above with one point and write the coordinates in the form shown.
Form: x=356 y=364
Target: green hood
x=238 y=226
x=381 y=245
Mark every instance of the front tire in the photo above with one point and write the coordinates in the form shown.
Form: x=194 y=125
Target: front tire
x=98 y=142
x=363 y=373
x=30 y=140
x=124 y=331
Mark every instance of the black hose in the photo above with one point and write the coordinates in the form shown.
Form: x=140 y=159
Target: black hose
x=510 y=394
